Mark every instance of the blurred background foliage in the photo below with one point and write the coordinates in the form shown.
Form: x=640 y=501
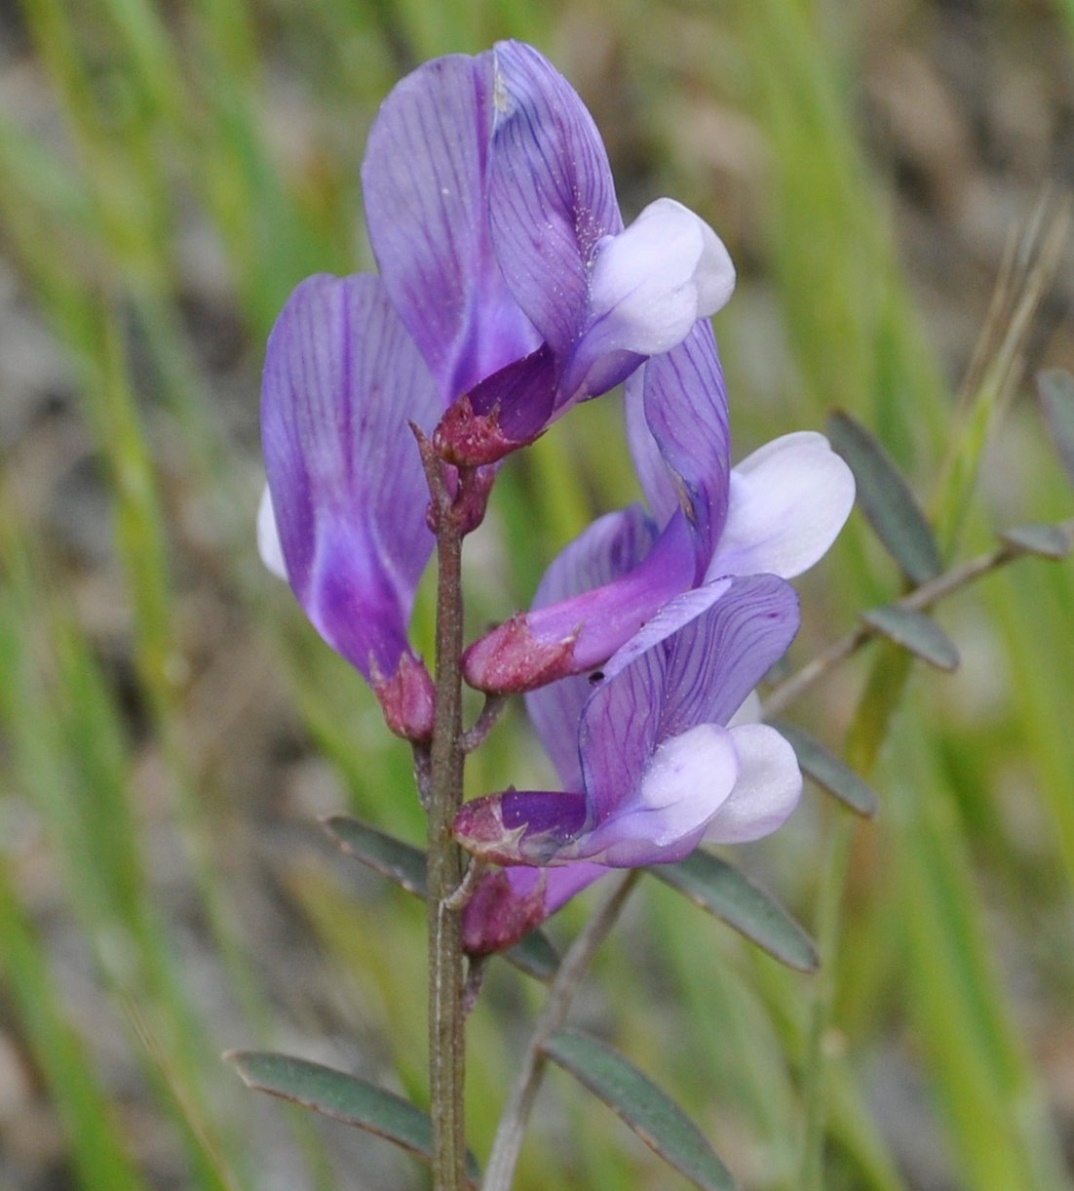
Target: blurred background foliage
x=170 y=727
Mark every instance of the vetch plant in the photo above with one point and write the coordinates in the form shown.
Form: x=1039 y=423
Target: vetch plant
x=509 y=290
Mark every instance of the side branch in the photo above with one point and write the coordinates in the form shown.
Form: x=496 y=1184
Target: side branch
x=921 y=598
x=512 y=1128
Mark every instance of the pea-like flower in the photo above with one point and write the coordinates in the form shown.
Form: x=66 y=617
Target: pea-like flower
x=649 y=751
x=508 y=291
x=776 y=513
x=493 y=217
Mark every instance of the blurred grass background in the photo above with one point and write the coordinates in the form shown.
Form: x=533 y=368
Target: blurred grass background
x=170 y=728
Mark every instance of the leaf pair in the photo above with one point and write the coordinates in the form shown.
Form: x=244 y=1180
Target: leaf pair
x=897 y=519
x=652 y=1115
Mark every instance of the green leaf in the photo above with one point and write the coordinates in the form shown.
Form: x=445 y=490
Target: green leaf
x=1056 y=390
x=652 y=1115
x=722 y=890
x=886 y=500
x=405 y=865
x=1048 y=541
x=392 y=858
x=829 y=772
x=915 y=632
x=343 y=1097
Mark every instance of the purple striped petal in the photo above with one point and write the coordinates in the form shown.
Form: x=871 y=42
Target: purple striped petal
x=342 y=378
x=678 y=425
x=610 y=547
x=715 y=661
x=582 y=632
x=701 y=674
x=552 y=195
x=426 y=186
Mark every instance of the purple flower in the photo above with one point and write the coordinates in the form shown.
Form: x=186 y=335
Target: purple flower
x=650 y=752
x=776 y=513
x=345 y=521
x=492 y=214
x=508 y=291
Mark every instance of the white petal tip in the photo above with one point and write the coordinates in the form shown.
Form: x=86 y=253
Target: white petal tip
x=268 y=537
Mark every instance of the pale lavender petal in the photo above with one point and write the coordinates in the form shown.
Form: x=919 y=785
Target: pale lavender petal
x=670 y=619
x=581 y=632
x=600 y=621
x=552 y=198
x=652 y=282
x=610 y=547
x=767 y=790
x=788 y=502
x=701 y=674
x=688 y=779
x=342 y=379
x=680 y=438
x=426 y=183
x=268 y=537
x=739 y=639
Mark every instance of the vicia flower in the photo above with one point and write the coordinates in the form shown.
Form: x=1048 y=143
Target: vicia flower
x=493 y=218
x=508 y=291
x=648 y=754
x=776 y=513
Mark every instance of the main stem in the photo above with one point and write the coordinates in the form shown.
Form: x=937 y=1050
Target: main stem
x=447 y=1049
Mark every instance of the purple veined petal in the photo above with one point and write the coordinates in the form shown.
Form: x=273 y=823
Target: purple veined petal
x=508 y=903
x=601 y=620
x=552 y=198
x=611 y=546
x=624 y=721
x=582 y=632
x=342 y=379
x=716 y=660
x=788 y=502
x=670 y=619
x=686 y=782
x=268 y=537
x=652 y=282
x=619 y=733
x=426 y=184
x=767 y=790
x=699 y=675
x=679 y=433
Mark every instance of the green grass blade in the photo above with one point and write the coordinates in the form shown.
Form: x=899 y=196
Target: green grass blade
x=98 y=1149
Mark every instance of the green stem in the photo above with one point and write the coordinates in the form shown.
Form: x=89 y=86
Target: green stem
x=512 y=1128
x=869 y=729
x=447 y=1046
x=815 y=1071
x=919 y=600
